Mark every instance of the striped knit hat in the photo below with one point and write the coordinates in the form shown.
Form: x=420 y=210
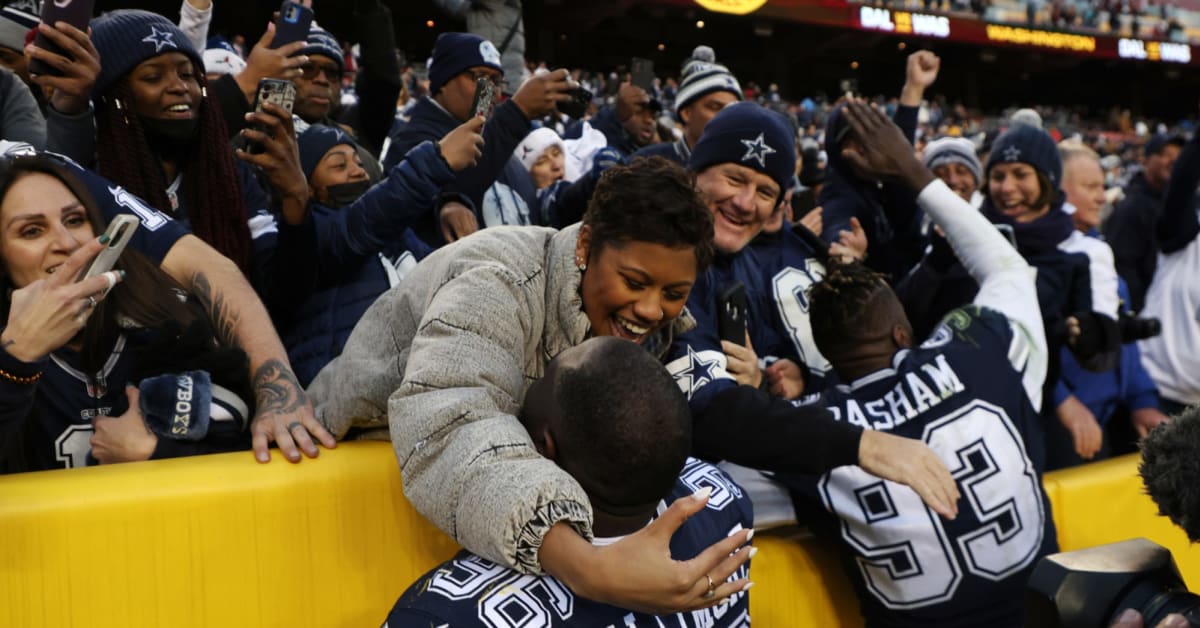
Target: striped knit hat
x=702 y=75
x=950 y=150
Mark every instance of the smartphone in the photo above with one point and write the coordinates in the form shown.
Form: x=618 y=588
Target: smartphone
x=731 y=314
x=277 y=91
x=485 y=97
x=77 y=13
x=641 y=74
x=576 y=107
x=1009 y=234
x=120 y=231
x=293 y=24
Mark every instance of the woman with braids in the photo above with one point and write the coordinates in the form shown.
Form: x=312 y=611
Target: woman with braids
x=971 y=390
x=101 y=370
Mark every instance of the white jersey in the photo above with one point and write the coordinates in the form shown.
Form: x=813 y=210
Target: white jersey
x=1173 y=357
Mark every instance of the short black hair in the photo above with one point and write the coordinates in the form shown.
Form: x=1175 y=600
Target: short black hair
x=850 y=306
x=1170 y=466
x=650 y=200
x=625 y=429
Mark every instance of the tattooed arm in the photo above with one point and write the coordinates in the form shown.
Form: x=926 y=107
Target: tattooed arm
x=282 y=414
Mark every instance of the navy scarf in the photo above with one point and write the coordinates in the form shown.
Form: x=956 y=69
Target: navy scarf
x=1037 y=236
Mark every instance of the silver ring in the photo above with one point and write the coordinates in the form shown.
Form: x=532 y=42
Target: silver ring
x=712 y=589
x=91 y=301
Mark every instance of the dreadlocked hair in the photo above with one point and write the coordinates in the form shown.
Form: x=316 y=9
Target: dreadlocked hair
x=210 y=188
x=851 y=306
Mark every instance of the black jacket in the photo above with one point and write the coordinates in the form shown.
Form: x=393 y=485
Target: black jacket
x=1131 y=234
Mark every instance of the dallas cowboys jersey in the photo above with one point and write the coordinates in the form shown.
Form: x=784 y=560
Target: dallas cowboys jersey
x=471 y=591
x=963 y=393
x=791 y=266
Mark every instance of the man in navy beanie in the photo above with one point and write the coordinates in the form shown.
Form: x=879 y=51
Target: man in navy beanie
x=319 y=86
x=743 y=163
x=498 y=189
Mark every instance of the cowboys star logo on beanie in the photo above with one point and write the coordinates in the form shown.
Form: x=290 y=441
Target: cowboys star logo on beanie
x=1029 y=145
x=746 y=134
x=127 y=37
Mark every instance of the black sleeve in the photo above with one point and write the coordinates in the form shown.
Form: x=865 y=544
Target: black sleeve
x=1178 y=224
x=748 y=427
x=1130 y=242
x=378 y=83
x=232 y=101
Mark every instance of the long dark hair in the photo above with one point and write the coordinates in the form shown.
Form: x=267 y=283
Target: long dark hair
x=210 y=180
x=146 y=298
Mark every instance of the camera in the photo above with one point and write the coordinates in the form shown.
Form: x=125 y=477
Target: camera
x=1135 y=328
x=577 y=107
x=1089 y=588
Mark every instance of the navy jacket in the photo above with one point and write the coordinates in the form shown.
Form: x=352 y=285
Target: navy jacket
x=351 y=245
x=888 y=213
x=503 y=132
x=676 y=151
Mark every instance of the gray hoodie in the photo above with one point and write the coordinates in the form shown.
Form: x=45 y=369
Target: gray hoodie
x=445 y=358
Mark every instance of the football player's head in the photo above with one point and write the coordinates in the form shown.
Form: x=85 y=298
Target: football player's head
x=610 y=415
x=1170 y=466
x=857 y=320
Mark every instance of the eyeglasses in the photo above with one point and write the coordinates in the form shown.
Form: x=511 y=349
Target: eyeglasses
x=309 y=71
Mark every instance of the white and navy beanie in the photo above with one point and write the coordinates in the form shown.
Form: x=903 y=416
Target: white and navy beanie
x=535 y=144
x=749 y=135
x=701 y=76
x=222 y=61
x=455 y=53
x=16 y=20
x=953 y=150
x=1031 y=145
x=322 y=42
x=127 y=37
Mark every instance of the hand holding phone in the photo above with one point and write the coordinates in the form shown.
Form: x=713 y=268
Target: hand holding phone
x=278 y=92
x=120 y=231
x=77 y=13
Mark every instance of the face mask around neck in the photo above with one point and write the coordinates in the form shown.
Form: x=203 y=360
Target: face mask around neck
x=343 y=194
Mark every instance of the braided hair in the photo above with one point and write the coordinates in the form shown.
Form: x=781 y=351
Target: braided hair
x=852 y=306
x=210 y=185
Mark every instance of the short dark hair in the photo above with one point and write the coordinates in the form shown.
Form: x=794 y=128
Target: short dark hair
x=1170 y=466
x=625 y=428
x=852 y=305
x=650 y=200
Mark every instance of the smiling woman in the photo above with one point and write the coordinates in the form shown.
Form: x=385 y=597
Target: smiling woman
x=69 y=347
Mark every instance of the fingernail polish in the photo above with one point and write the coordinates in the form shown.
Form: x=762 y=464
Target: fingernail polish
x=104 y=238
x=753 y=551
x=702 y=494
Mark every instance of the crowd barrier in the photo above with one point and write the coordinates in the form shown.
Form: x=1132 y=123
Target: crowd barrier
x=224 y=541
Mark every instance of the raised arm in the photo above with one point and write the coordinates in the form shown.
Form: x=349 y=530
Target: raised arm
x=1178 y=224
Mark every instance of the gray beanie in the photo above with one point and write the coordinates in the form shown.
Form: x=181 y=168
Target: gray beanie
x=953 y=150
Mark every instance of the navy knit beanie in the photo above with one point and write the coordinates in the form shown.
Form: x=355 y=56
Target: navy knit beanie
x=315 y=142
x=953 y=150
x=128 y=37
x=701 y=76
x=746 y=134
x=455 y=53
x=1029 y=145
x=322 y=42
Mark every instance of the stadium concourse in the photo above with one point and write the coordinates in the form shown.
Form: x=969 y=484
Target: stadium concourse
x=669 y=312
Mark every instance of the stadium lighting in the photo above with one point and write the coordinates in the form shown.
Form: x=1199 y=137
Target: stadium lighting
x=429 y=23
x=699 y=23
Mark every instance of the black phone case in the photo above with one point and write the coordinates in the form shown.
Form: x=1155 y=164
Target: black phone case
x=292 y=25
x=77 y=13
x=731 y=314
x=641 y=73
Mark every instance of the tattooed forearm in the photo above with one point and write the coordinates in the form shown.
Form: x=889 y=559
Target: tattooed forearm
x=224 y=318
x=276 y=388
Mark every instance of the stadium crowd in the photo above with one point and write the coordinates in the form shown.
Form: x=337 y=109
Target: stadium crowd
x=603 y=322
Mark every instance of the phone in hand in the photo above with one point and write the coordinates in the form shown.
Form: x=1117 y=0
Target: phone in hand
x=577 y=107
x=77 y=13
x=641 y=74
x=485 y=97
x=731 y=314
x=120 y=231
x=276 y=91
x=292 y=25
x=1009 y=233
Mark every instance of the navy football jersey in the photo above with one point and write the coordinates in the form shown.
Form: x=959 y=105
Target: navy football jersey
x=965 y=393
x=695 y=358
x=791 y=267
x=471 y=591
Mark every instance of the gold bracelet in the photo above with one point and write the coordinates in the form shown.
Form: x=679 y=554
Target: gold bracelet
x=20 y=380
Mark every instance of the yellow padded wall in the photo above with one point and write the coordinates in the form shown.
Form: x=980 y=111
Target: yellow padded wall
x=213 y=541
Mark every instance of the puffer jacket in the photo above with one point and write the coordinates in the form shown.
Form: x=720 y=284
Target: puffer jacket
x=445 y=359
